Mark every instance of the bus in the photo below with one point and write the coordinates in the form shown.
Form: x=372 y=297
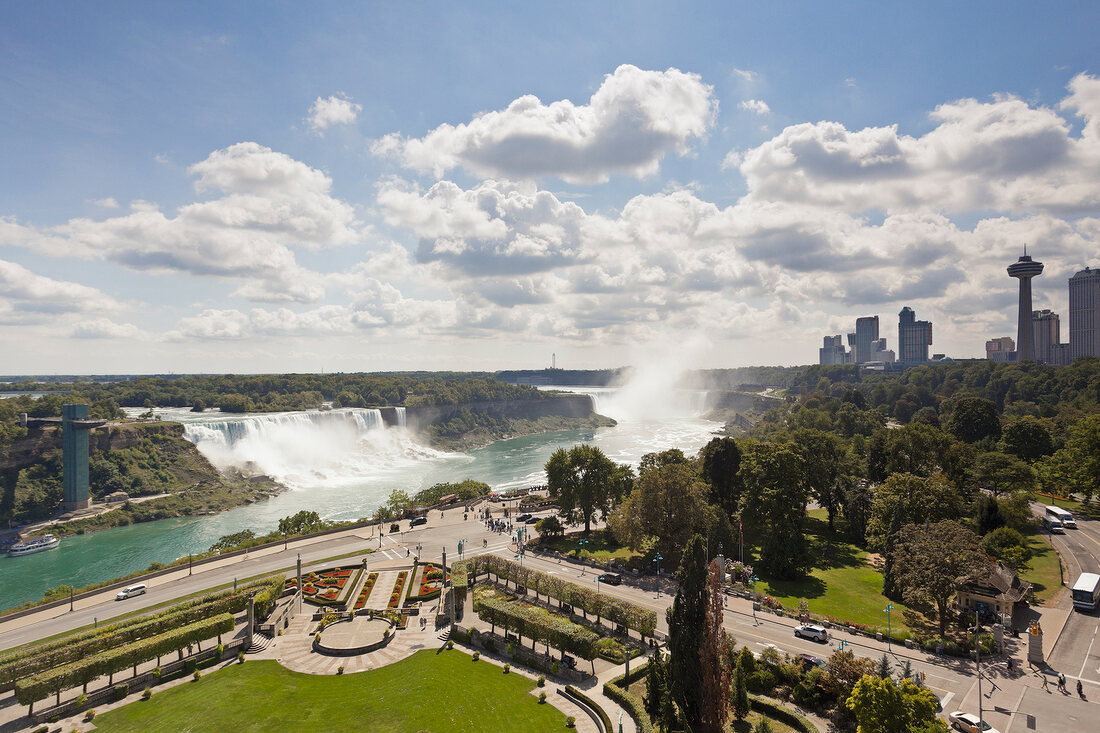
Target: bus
x=1062 y=516
x=1053 y=526
x=1086 y=592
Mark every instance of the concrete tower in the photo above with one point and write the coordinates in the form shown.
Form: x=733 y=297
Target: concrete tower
x=1025 y=268
x=1084 y=313
x=74 y=455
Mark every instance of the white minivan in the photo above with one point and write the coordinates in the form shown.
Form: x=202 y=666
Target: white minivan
x=130 y=591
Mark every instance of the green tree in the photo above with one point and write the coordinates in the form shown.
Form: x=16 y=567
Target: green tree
x=880 y=706
x=686 y=622
x=303 y=522
x=582 y=478
x=987 y=514
x=721 y=459
x=1009 y=547
x=231 y=541
x=931 y=558
x=1027 y=438
x=668 y=503
x=739 y=699
x=823 y=460
x=974 y=418
x=715 y=698
x=1000 y=473
x=917 y=448
x=924 y=499
x=398 y=502
x=774 y=503
x=763 y=726
x=1076 y=467
x=883 y=668
x=549 y=527
x=655 y=687
x=858 y=502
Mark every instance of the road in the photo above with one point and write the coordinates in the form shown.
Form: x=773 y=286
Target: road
x=952 y=680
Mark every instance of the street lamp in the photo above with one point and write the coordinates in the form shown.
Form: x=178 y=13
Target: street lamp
x=582 y=544
x=597 y=581
x=887 y=610
x=657 y=557
x=754 y=579
x=978 y=667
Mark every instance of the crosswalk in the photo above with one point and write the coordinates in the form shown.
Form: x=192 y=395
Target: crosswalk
x=504 y=547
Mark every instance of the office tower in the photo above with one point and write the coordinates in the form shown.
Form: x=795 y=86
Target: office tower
x=1024 y=269
x=879 y=352
x=1000 y=349
x=1045 y=333
x=832 y=351
x=863 y=339
x=1084 y=314
x=914 y=338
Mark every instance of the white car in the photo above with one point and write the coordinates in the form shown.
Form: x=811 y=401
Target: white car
x=968 y=723
x=809 y=631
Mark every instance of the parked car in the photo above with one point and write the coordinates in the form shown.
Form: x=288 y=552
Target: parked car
x=611 y=578
x=531 y=520
x=523 y=517
x=417 y=521
x=809 y=660
x=130 y=591
x=968 y=723
x=811 y=632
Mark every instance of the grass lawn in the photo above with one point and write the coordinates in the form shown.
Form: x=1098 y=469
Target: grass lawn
x=599 y=547
x=841 y=584
x=734 y=726
x=1043 y=571
x=447 y=691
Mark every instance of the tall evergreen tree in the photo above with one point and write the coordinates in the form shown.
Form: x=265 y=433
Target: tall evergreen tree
x=655 y=691
x=739 y=700
x=686 y=623
x=883 y=668
x=714 y=702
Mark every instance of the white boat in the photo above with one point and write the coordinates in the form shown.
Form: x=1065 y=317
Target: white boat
x=38 y=544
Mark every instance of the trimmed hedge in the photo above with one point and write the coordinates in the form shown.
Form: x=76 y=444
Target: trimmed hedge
x=593 y=704
x=630 y=615
x=109 y=661
x=616 y=690
x=782 y=714
x=26 y=662
x=539 y=625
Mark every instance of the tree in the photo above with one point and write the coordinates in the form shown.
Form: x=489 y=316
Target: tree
x=655 y=687
x=1000 y=473
x=398 y=502
x=585 y=480
x=880 y=706
x=987 y=514
x=889 y=578
x=883 y=668
x=930 y=561
x=669 y=503
x=843 y=671
x=1027 y=438
x=739 y=700
x=230 y=541
x=714 y=701
x=917 y=448
x=686 y=623
x=823 y=459
x=199 y=405
x=924 y=499
x=1009 y=547
x=1076 y=467
x=858 y=501
x=721 y=459
x=303 y=522
x=549 y=527
x=774 y=503
x=974 y=418
x=763 y=726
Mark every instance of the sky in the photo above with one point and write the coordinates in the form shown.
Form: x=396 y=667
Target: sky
x=282 y=187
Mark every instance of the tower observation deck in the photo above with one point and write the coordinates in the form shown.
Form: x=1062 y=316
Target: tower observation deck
x=1024 y=269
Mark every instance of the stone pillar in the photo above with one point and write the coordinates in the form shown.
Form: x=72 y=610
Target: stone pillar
x=1035 y=645
x=250 y=625
x=74 y=454
x=299 y=582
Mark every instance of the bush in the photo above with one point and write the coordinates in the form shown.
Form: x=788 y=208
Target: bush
x=240 y=657
x=156 y=673
x=89 y=716
x=147 y=693
x=555 y=667
x=450 y=644
x=197 y=674
x=511 y=649
x=570 y=722
x=477 y=656
x=541 y=681
x=542 y=698
x=120 y=691
x=490 y=645
x=81 y=701
x=507 y=668
x=340 y=669
x=782 y=714
x=762 y=680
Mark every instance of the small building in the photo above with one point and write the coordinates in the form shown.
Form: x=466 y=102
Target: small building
x=116 y=496
x=995 y=590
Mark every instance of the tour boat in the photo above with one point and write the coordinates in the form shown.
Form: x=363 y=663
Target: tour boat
x=39 y=544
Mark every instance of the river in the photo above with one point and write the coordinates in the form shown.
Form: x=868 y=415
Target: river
x=343 y=464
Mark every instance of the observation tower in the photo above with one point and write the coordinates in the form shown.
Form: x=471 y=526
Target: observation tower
x=1024 y=269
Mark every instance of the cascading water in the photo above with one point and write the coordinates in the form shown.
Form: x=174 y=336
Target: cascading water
x=400 y=416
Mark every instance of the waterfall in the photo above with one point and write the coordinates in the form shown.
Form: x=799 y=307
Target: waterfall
x=306 y=448
x=641 y=405
x=400 y=416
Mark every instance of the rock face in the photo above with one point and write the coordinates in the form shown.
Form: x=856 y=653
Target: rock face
x=420 y=417
x=115 y=436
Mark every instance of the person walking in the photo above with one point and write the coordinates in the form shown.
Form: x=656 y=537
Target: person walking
x=1062 y=681
x=1046 y=684
x=1080 y=690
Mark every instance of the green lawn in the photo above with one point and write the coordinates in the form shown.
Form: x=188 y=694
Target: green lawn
x=1043 y=571
x=841 y=584
x=600 y=546
x=447 y=691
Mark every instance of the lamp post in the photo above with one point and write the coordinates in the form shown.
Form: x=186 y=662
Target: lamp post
x=754 y=579
x=70 y=599
x=978 y=667
x=284 y=541
x=597 y=581
x=657 y=557
x=582 y=544
x=189 y=563
x=887 y=610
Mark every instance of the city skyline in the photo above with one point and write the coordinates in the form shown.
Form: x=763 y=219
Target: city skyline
x=221 y=189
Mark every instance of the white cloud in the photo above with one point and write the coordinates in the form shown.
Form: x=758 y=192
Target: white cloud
x=30 y=298
x=105 y=328
x=633 y=120
x=335 y=110
x=744 y=74
x=268 y=205
x=106 y=203
x=756 y=106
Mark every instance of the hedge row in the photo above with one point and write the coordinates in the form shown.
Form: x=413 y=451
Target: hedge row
x=630 y=615
x=782 y=714
x=574 y=692
x=616 y=690
x=26 y=662
x=110 y=661
x=539 y=625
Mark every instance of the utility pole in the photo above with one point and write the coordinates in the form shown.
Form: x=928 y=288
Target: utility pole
x=978 y=667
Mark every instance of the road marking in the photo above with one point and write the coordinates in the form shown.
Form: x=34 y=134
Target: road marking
x=1079 y=674
x=946 y=699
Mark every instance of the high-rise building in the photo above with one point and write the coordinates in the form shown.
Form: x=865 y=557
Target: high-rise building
x=1084 y=314
x=1024 y=269
x=863 y=341
x=832 y=351
x=1045 y=333
x=1000 y=349
x=914 y=338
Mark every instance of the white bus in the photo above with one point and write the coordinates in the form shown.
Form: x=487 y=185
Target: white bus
x=1052 y=525
x=1062 y=516
x=1086 y=592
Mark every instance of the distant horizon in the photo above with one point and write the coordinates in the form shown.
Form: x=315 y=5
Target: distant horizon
x=241 y=188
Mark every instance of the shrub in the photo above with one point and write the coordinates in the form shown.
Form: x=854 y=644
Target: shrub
x=41 y=729
x=555 y=667
x=570 y=722
x=340 y=669
x=450 y=644
x=477 y=656
x=541 y=681
x=542 y=698
x=511 y=649
x=156 y=673
x=120 y=691
x=221 y=650
x=147 y=693
x=197 y=674
x=490 y=645
x=762 y=680
x=507 y=668
x=81 y=701
x=89 y=716
x=240 y=657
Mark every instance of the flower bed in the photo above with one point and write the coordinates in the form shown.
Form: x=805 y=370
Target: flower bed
x=431 y=582
x=364 y=594
x=324 y=587
x=398 y=586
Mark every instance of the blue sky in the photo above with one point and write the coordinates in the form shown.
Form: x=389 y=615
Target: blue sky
x=278 y=187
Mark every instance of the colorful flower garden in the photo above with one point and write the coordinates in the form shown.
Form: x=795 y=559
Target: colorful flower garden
x=431 y=582
x=324 y=587
x=398 y=586
x=364 y=594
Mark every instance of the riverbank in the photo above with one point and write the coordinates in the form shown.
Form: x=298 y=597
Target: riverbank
x=481 y=435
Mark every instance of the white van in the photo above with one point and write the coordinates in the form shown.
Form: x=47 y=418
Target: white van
x=1053 y=525
x=130 y=591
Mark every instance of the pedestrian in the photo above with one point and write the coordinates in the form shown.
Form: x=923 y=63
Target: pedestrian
x=1080 y=690
x=1061 y=681
x=1046 y=684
